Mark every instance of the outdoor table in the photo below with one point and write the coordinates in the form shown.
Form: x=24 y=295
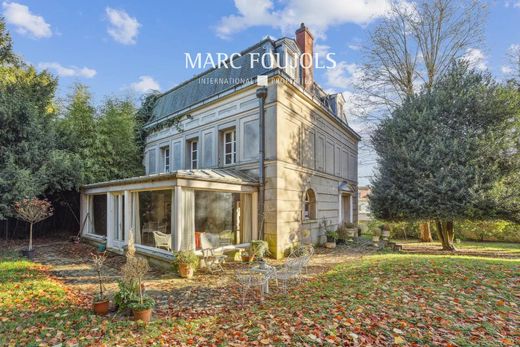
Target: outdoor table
x=264 y=270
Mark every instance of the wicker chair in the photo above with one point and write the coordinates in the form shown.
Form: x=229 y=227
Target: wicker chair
x=162 y=240
x=213 y=256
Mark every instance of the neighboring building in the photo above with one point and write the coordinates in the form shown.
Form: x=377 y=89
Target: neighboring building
x=205 y=182
x=363 y=204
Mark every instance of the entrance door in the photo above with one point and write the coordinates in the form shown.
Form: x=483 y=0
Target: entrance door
x=346 y=205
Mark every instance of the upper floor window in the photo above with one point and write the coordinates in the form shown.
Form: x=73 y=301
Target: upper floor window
x=291 y=66
x=309 y=205
x=151 y=162
x=230 y=147
x=165 y=154
x=194 y=154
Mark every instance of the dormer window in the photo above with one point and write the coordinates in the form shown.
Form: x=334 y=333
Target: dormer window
x=291 y=66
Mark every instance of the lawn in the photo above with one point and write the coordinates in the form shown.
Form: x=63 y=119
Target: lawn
x=484 y=247
x=380 y=299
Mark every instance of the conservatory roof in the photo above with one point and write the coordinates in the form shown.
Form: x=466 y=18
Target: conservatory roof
x=212 y=175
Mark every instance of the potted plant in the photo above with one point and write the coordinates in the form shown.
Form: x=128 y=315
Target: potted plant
x=376 y=233
x=332 y=236
x=186 y=263
x=134 y=271
x=246 y=258
x=142 y=309
x=258 y=250
x=385 y=232
x=351 y=230
x=101 y=302
x=32 y=211
x=127 y=294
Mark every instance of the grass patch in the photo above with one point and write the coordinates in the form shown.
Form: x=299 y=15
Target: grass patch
x=381 y=299
x=486 y=247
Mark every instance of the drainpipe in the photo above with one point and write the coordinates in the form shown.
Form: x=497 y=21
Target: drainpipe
x=261 y=94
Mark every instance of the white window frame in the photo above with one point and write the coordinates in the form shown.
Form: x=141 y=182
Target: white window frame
x=194 y=154
x=309 y=205
x=166 y=158
x=119 y=215
x=233 y=144
x=291 y=65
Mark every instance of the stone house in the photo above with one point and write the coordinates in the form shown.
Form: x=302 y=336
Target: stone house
x=212 y=180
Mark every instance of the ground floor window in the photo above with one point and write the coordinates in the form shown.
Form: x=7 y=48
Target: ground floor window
x=309 y=205
x=98 y=215
x=119 y=217
x=217 y=219
x=155 y=219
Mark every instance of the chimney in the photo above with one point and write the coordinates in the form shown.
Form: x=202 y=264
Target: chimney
x=305 y=42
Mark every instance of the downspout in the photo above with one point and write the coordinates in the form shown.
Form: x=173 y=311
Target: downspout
x=261 y=94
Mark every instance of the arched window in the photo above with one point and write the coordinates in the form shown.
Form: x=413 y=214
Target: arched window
x=309 y=205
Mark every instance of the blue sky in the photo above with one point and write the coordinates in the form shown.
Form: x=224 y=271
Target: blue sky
x=121 y=47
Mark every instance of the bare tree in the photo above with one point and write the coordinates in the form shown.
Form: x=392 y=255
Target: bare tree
x=410 y=49
x=33 y=211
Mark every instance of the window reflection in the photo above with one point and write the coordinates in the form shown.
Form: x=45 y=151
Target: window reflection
x=155 y=219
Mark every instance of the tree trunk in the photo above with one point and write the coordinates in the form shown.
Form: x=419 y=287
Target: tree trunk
x=425 y=232
x=30 y=237
x=446 y=235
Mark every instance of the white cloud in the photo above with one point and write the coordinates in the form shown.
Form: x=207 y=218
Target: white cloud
x=71 y=71
x=514 y=48
x=122 y=28
x=506 y=70
x=344 y=75
x=317 y=15
x=513 y=3
x=145 y=84
x=321 y=50
x=476 y=58
x=25 y=22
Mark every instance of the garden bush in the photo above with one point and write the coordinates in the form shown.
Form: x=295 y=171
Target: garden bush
x=465 y=230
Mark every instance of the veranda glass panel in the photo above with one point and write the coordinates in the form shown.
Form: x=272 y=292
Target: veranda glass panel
x=217 y=219
x=99 y=215
x=155 y=219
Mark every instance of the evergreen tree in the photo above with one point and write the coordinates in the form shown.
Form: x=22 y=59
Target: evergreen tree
x=444 y=152
x=77 y=130
x=116 y=151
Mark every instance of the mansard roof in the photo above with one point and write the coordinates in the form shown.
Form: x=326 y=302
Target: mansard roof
x=200 y=87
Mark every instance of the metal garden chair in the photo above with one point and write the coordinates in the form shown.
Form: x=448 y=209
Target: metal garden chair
x=250 y=279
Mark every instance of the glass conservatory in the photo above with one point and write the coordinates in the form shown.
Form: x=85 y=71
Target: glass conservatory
x=192 y=209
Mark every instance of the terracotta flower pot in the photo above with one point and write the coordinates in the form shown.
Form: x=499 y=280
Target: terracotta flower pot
x=144 y=315
x=186 y=271
x=101 y=307
x=246 y=258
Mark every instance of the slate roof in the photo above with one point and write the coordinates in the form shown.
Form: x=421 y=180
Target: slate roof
x=194 y=91
x=213 y=175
